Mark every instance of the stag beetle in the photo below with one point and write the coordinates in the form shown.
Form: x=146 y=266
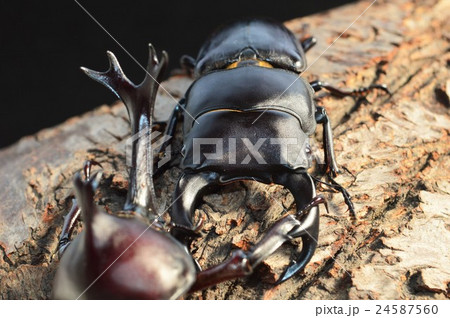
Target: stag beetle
x=249 y=100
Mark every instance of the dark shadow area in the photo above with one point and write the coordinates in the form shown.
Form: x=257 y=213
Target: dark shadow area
x=43 y=44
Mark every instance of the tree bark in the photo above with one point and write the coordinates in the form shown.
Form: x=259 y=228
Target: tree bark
x=392 y=150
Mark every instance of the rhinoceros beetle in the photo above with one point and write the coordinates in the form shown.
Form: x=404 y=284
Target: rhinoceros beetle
x=109 y=258
x=247 y=116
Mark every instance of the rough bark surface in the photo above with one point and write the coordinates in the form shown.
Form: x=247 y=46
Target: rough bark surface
x=394 y=150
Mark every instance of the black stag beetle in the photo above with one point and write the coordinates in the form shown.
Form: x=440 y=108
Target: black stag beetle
x=247 y=116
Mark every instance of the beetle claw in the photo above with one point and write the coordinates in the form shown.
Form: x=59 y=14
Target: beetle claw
x=382 y=87
x=87 y=166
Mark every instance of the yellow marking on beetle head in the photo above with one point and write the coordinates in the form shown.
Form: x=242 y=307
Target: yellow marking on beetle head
x=253 y=62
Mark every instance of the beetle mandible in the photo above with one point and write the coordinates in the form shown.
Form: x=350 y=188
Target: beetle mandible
x=248 y=98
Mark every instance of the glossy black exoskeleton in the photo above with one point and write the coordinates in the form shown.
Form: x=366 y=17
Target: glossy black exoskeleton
x=247 y=116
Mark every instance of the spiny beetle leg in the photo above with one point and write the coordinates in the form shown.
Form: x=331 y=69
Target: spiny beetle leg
x=161 y=165
x=69 y=224
x=159 y=125
x=74 y=214
x=330 y=158
x=344 y=192
x=308 y=43
x=187 y=63
x=303 y=224
x=347 y=197
x=331 y=168
x=359 y=92
x=87 y=167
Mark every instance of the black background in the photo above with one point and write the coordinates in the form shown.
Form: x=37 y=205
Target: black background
x=43 y=43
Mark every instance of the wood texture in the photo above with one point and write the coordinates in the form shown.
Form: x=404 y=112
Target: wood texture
x=394 y=150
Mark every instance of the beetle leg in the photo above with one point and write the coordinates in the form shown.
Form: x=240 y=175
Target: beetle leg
x=189 y=190
x=330 y=159
x=347 y=197
x=359 y=92
x=308 y=43
x=345 y=194
x=74 y=214
x=188 y=64
x=169 y=134
x=87 y=167
x=69 y=224
x=303 y=224
x=332 y=169
x=159 y=125
x=140 y=102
